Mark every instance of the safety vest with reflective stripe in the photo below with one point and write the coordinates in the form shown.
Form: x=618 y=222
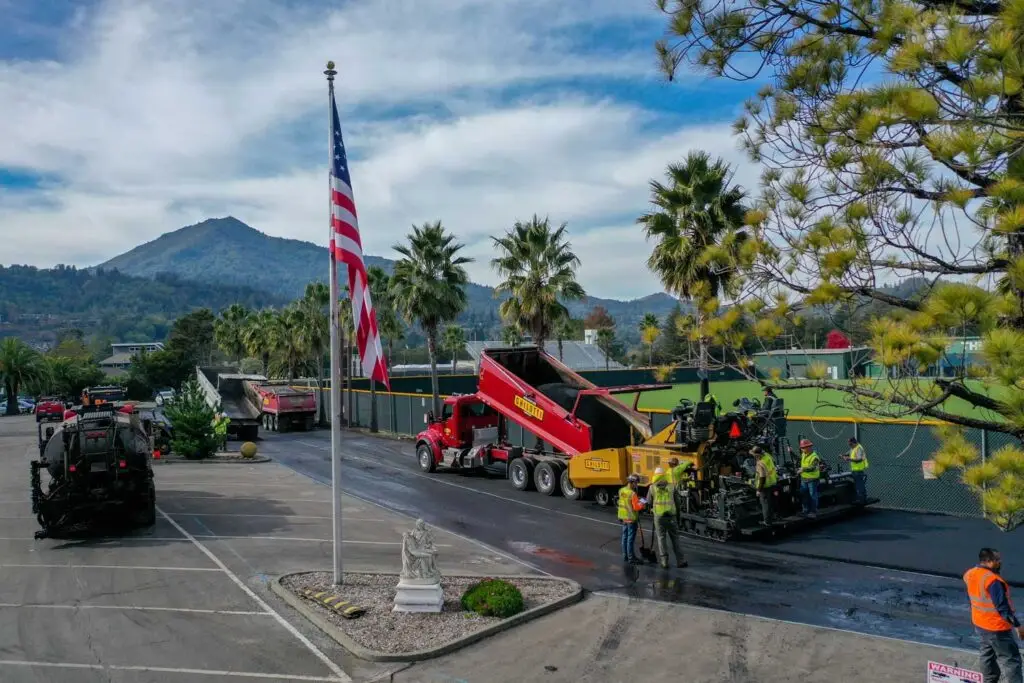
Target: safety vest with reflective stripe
x=858 y=465
x=676 y=475
x=626 y=511
x=771 y=475
x=664 y=501
x=810 y=460
x=983 y=612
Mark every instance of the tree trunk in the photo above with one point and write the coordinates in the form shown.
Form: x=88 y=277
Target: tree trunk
x=320 y=388
x=455 y=358
x=348 y=387
x=650 y=356
x=343 y=375
x=12 y=397
x=373 y=406
x=559 y=348
x=432 y=353
x=702 y=360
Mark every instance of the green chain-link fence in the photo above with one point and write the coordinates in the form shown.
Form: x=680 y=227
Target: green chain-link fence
x=895 y=451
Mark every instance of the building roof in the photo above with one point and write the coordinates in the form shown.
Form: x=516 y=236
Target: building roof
x=576 y=354
x=118 y=359
x=148 y=343
x=813 y=352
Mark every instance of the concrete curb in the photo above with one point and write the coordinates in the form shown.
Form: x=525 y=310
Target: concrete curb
x=164 y=460
x=361 y=652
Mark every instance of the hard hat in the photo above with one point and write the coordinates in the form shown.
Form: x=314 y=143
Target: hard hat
x=633 y=479
x=756 y=450
x=658 y=470
x=673 y=461
x=805 y=443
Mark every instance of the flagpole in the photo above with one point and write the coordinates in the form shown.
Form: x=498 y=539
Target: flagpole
x=335 y=348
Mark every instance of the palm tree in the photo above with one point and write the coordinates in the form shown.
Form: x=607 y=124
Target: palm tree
x=260 y=336
x=388 y=325
x=649 y=331
x=346 y=338
x=511 y=335
x=315 y=332
x=429 y=286
x=697 y=216
x=605 y=342
x=539 y=271
x=454 y=342
x=290 y=349
x=565 y=329
x=228 y=331
x=20 y=365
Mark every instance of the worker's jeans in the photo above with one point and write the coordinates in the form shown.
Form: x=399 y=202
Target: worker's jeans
x=765 y=495
x=666 y=533
x=860 y=483
x=809 y=493
x=999 y=650
x=628 y=539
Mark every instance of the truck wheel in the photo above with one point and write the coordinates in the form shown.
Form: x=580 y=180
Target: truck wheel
x=568 y=490
x=425 y=455
x=273 y=423
x=603 y=496
x=520 y=472
x=545 y=477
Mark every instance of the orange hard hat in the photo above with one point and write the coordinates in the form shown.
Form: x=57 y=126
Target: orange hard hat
x=805 y=443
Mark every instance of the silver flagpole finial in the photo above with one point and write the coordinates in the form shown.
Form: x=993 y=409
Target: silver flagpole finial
x=330 y=72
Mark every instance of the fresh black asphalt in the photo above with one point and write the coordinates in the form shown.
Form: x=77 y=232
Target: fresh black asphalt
x=842 y=575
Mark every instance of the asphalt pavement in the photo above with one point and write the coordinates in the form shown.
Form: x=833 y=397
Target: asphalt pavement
x=188 y=600
x=851 y=590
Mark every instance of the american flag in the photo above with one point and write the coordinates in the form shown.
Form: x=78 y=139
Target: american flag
x=347 y=248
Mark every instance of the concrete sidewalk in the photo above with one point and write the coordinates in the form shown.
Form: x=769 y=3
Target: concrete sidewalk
x=609 y=639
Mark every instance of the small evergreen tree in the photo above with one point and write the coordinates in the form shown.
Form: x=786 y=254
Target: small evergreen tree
x=191 y=423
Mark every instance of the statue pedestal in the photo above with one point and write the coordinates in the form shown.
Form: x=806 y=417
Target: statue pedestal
x=419 y=595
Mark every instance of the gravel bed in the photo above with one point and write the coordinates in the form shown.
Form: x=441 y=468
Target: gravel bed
x=382 y=630
x=228 y=456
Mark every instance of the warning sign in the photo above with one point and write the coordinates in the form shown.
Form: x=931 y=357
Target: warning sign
x=944 y=673
x=928 y=469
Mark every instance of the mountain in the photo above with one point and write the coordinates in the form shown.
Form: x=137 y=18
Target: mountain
x=35 y=302
x=226 y=250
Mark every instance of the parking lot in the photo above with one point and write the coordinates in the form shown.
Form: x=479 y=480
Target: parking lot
x=189 y=599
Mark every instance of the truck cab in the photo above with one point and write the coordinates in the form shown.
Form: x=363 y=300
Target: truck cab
x=465 y=421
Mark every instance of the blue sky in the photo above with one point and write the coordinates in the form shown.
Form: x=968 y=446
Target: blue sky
x=133 y=119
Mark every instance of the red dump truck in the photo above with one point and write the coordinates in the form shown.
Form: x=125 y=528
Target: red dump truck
x=566 y=414
x=283 y=408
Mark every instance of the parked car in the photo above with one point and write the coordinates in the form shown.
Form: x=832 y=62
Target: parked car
x=26 y=407
x=164 y=396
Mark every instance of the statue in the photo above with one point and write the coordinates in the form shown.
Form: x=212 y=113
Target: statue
x=418 y=555
x=419 y=584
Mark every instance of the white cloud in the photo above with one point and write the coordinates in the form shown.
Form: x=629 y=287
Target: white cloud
x=156 y=112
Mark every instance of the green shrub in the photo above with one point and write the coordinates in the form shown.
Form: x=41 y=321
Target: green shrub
x=191 y=423
x=493 y=598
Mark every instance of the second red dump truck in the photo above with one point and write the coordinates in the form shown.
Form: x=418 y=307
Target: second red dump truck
x=283 y=408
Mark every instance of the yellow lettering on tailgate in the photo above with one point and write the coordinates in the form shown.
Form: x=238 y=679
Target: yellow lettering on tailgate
x=529 y=408
x=597 y=464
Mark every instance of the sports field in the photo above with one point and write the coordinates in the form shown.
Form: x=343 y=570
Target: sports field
x=800 y=402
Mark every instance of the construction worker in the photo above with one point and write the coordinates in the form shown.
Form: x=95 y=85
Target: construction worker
x=764 y=482
x=663 y=505
x=993 y=618
x=630 y=505
x=220 y=429
x=858 y=460
x=810 y=473
x=712 y=399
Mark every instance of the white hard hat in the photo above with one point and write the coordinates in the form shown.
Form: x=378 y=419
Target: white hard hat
x=658 y=470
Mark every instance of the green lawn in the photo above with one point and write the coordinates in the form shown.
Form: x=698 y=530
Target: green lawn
x=800 y=402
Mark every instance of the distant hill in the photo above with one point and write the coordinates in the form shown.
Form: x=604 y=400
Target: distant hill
x=226 y=250
x=34 y=302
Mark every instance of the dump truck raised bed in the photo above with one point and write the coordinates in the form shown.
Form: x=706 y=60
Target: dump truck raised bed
x=566 y=414
x=284 y=408
x=588 y=443
x=224 y=389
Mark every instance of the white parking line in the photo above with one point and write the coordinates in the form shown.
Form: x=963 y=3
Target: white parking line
x=262 y=499
x=232 y=514
x=162 y=669
x=302 y=539
x=136 y=608
x=107 y=567
x=259 y=601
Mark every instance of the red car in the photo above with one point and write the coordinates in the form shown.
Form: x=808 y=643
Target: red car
x=49 y=408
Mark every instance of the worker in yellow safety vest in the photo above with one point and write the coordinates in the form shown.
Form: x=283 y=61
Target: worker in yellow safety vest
x=711 y=398
x=630 y=505
x=994 y=619
x=765 y=479
x=680 y=481
x=220 y=430
x=663 y=505
x=858 y=460
x=810 y=474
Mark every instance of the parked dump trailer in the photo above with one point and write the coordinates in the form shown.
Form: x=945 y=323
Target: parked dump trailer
x=224 y=388
x=587 y=443
x=284 y=408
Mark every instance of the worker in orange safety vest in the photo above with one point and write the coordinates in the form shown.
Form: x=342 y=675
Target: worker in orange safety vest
x=994 y=619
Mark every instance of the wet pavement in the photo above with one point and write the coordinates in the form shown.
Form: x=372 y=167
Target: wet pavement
x=581 y=541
